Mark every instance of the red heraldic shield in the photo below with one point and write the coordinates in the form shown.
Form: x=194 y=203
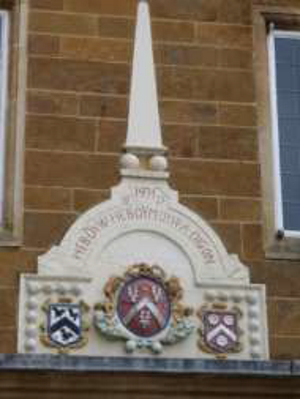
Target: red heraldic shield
x=143 y=306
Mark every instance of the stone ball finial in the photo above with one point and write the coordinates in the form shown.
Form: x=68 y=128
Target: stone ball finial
x=129 y=161
x=158 y=163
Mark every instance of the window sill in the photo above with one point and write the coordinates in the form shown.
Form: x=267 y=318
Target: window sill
x=287 y=248
x=9 y=239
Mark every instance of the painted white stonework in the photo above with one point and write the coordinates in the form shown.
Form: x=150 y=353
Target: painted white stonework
x=143 y=121
x=143 y=223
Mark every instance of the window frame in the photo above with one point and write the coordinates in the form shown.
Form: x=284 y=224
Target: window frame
x=273 y=34
x=278 y=244
x=13 y=138
x=4 y=76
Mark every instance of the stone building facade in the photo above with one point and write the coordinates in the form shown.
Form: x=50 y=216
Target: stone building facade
x=209 y=57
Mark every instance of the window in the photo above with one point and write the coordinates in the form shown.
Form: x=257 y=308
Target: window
x=284 y=62
x=277 y=71
x=4 y=44
x=13 y=61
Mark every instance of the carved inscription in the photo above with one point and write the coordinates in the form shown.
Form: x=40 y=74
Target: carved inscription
x=122 y=216
x=154 y=195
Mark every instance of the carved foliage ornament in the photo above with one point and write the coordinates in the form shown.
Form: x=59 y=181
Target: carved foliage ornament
x=144 y=309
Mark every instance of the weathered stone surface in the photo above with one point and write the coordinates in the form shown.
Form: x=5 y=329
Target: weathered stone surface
x=70 y=169
x=282 y=277
x=206 y=84
x=113 y=27
x=284 y=347
x=207 y=207
x=191 y=9
x=225 y=35
x=59 y=23
x=231 y=236
x=45 y=228
x=108 y=50
x=284 y=316
x=227 y=143
x=45 y=102
x=8 y=307
x=61 y=133
x=235 y=58
x=47 y=4
x=235 y=11
x=86 y=199
x=188 y=112
x=46 y=198
x=237 y=114
x=62 y=74
x=219 y=178
x=103 y=106
x=253 y=241
x=43 y=45
x=111 y=136
x=186 y=55
x=13 y=263
x=163 y=30
x=8 y=340
x=173 y=31
x=240 y=209
x=181 y=140
x=114 y=7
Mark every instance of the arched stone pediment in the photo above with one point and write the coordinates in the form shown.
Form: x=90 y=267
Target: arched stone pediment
x=135 y=212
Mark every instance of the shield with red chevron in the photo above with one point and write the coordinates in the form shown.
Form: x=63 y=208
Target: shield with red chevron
x=143 y=306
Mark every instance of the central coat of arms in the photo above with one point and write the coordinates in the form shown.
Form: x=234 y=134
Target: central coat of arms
x=144 y=308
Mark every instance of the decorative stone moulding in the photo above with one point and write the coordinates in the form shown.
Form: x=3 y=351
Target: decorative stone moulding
x=53 y=316
x=191 y=299
x=140 y=274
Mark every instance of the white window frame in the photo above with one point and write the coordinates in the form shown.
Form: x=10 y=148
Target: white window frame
x=278 y=216
x=12 y=117
x=5 y=28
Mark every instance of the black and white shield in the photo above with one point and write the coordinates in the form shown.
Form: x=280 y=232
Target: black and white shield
x=64 y=324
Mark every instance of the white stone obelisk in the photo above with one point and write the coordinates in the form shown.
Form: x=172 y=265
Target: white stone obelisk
x=144 y=130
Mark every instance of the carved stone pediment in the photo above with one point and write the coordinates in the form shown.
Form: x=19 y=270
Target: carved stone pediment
x=143 y=222
x=141 y=268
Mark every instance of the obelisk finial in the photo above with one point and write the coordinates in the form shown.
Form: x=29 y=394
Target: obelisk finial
x=144 y=129
x=143 y=123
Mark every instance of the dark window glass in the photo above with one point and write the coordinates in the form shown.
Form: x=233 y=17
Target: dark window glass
x=287 y=53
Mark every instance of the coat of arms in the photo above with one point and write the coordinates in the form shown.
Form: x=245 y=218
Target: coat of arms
x=219 y=332
x=144 y=308
x=65 y=326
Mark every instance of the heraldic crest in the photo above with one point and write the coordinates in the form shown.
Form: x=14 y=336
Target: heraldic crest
x=65 y=327
x=220 y=333
x=143 y=308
